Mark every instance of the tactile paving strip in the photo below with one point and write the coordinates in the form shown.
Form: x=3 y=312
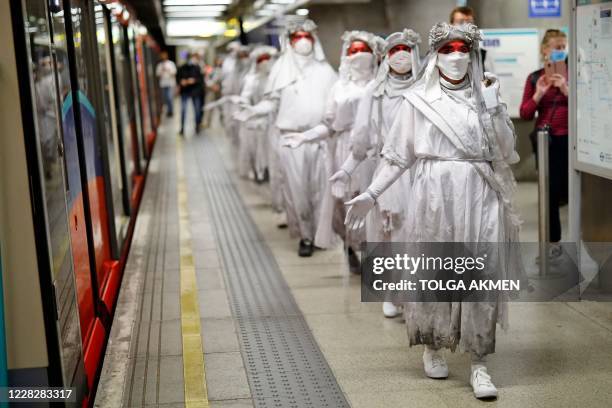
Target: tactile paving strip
x=285 y=367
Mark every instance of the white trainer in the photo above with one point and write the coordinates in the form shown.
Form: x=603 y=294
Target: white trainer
x=481 y=383
x=281 y=219
x=434 y=364
x=390 y=310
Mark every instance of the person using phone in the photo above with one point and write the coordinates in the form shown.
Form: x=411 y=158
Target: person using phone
x=546 y=92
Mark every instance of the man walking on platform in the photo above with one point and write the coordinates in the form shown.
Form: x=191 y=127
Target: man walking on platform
x=191 y=82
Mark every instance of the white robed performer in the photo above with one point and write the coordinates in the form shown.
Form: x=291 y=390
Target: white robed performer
x=234 y=68
x=377 y=110
x=297 y=89
x=358 y=64
x=253 y=134
x=456 y=135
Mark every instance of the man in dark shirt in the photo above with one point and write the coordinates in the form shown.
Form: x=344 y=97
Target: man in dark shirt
x=191 y=84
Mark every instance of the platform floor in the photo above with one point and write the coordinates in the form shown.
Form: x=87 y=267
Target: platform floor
x=213 y=289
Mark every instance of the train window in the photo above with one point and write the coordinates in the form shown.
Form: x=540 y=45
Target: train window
x=48 y=74
x=125 y=110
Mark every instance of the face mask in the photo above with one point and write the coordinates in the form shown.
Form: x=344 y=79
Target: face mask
x=401 y=62
x=361 y=61
x=557 y=55
x=454 y=65
x=303 y=46
x=263 y=66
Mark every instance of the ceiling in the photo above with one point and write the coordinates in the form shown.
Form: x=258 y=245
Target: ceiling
x=173 y=21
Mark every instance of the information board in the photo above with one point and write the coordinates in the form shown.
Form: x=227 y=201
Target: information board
x=512 y=54
x=544 y=8
x=594 y=87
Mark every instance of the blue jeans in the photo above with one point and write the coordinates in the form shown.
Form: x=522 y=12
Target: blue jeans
x=197 y=108
x=167 y=92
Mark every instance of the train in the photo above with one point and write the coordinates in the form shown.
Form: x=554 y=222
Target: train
x=85 y=123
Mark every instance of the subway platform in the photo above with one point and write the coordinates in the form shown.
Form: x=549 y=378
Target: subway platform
x=217 y=310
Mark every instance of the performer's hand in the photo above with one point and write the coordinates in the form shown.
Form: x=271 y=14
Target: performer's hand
x=358 y=208
x=490 y=91
x=340 y=181
x=292 y=140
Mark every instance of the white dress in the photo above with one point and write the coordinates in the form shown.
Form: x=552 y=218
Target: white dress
x=452 y=199
x=253 y=134
x=377 y=111
x=340 y=115
x=300 y=106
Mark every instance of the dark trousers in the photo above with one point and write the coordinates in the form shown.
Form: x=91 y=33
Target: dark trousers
x=167 y=92
x=197 y=108
x=558 y=182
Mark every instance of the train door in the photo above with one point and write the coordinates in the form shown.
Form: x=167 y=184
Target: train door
x=112 y=134
x=62 y=218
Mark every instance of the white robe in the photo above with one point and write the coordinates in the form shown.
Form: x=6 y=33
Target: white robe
x=300 y=106
x=452 y=199
x=340 y=114
x=253 y=134
x=232 y=74
x=377 y=112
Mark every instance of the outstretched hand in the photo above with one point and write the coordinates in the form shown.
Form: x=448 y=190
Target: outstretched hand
x=339 y=183
x=357 y=210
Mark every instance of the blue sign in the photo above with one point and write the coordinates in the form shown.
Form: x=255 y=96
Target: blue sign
x=544 y=8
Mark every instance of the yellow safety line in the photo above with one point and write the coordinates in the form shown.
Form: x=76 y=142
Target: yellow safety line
x=196 y=395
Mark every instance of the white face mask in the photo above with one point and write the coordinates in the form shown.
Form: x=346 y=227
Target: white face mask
x=454 y=65
x=361 y=64
x=401 y=62
x=263 y=66
x=303 y=46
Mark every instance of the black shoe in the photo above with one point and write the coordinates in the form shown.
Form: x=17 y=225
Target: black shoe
x=306 y=248
x=353 y=261
x=181 y=132
x=169 y=115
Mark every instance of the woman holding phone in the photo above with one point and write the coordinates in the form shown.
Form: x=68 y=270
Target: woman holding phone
x=546 y=93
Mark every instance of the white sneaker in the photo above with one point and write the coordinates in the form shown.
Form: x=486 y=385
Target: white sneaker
x=390 y=310
x=434 y=364
x=481 y=383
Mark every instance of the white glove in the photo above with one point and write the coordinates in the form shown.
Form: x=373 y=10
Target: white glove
x=292 y=140
x=244 y=114
x=357 y=210
x=341 y=179
x=315 y=134
x=490 y=94
x=339 y=183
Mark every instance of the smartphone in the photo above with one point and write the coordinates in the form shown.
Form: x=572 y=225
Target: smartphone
x=560 y=67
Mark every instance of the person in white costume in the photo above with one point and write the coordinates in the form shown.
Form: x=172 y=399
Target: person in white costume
x=253 y=134
x=455 y=133
x=358 y=64
x=297 y=89
x=234 y=68
x=377 y=110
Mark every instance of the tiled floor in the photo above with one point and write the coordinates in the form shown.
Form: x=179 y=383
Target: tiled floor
x=553 y=355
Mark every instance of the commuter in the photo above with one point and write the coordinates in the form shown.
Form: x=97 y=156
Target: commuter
x=166 y=72
x=46 y=105
x=546 y=92
x=191 y=83
x=296 y=91
x=253 y=147
x=357 y=67
x=377 y=110
x=455 y=131
x=464 y=15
